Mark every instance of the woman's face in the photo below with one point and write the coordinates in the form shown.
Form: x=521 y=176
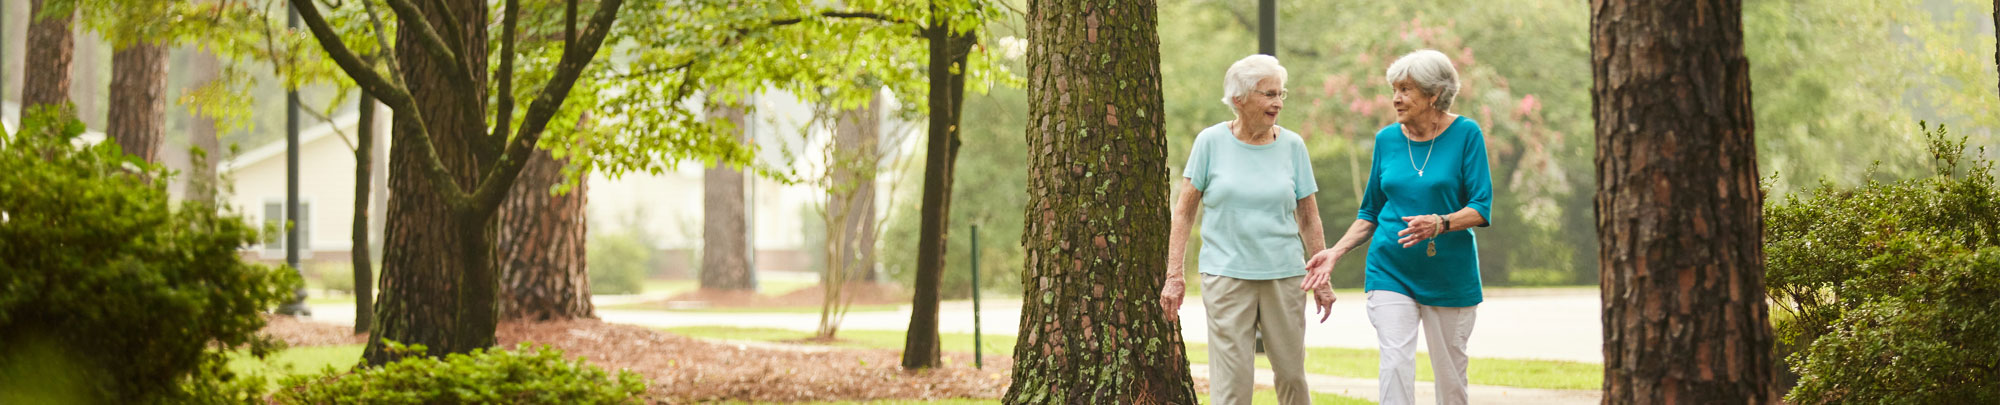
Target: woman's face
x=1262 y=105
x=1410 y=101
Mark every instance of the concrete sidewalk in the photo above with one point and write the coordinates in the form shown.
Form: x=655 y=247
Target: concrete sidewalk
x=1427 y=391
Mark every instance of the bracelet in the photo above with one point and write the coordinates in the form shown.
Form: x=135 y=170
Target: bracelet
x=1439 y=229
x=1447 y=224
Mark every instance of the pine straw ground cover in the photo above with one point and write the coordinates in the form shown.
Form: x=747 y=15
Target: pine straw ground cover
x=684 y=370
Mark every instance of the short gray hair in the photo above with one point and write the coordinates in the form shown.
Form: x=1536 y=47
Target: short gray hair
x=1244 y=75
x=1433 y=74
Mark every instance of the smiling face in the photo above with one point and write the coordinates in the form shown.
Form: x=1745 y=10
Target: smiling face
x=1261 y=106
x=1411 y=102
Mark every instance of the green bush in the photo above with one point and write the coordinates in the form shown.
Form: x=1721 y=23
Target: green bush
x=107 y=292
x=617 y=263
x=525 y=375
x=1887 y=289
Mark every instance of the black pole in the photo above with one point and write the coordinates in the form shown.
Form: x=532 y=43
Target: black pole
x=298 y=304
x=1267 y=27
x=978 y=358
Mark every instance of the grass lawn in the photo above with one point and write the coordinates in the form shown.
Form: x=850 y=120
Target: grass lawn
x=295 y=361
x=1343 y=362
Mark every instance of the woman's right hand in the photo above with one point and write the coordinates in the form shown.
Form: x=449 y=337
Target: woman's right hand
x=1170 y=297
x=1320 y=269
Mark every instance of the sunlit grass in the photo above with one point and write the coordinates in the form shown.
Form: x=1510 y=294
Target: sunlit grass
x=295 y=361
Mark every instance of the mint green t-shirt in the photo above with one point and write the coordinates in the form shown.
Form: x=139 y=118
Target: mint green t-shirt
x=1249 y=194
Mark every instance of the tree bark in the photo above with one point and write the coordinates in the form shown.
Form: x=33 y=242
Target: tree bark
x=360 y=254
x=437 y=265
x=725 y=244
x=948 y=49
x=543 y=268
x=857 y=138
x=50 y=47
x=203 y=68
x=1095 y=231
x=1996 y=41
x=137 y=118
x=1678 y=205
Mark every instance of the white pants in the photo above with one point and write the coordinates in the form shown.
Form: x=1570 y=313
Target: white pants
x=1396 y=318
x=1237 y=308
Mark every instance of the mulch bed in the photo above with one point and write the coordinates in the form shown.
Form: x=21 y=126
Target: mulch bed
x=683 y=369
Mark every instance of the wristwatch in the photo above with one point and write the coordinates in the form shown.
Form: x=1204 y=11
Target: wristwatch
x=1447 y=223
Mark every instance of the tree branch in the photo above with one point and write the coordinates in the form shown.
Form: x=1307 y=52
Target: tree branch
x=503 y=119
x=428 y=39
x=861 y=15
x=395 y=96
x=453 y=35
x=493 y=188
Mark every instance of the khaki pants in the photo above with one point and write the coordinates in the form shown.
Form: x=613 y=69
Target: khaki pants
x=1397 y=318
x=1235 y=307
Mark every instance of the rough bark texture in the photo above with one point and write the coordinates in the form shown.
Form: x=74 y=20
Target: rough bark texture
x=436 y=255
x=360 y=254
x=45 y=79
x=725 y=256
x=1095 y=231
x=947 y=93
x=857 y=151
x=542 y=265
x=137 y=118
x=1678 y=206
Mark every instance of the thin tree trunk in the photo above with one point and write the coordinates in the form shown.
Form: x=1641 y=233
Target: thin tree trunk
x=1996 y=40
x=725 y=260
x=137 y=118
x=1678 y=206
x=947 y=94
x=857 y=153
x=1096 y=222
x=543 y=268
x=50 y=47
x=437 y=283
x=360 y=254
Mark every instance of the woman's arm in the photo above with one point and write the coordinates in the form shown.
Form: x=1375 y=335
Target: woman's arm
x=1184 y=208
x=1311 y=232
x=1320 y=268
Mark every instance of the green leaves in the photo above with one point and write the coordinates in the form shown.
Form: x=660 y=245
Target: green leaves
x=529 y=374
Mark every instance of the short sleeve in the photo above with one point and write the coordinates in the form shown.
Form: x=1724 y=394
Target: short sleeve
x=1197 y=164
x=1477 y=177
x=1303 y=184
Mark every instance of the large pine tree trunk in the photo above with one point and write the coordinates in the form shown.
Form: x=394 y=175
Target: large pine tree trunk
x=45 y=78
x=437 y=282
x=858 y=153
x=947 y=96
x=137 y=118
x=1678 y=205
x=725 y=244
x=543 y=275
x=1095 y=230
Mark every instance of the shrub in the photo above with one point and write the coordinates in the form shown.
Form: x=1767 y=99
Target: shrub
x=617 y=263
x=1887 y=289
x=109 y=294
x=526 y=375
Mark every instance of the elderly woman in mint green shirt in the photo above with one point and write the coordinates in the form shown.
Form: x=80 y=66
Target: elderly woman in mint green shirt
x=1256 y=183
x=1428 y=186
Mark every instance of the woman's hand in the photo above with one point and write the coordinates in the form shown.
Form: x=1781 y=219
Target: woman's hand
x=1324 y=297
x=1319 y=269
x=1421 y=227
x=1170 y=297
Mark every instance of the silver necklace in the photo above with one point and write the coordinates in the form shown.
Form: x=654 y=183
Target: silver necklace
x=1408 y=147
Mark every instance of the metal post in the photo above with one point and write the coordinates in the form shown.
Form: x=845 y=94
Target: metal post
x=978 y=357
x=298 y=304
x=1267 y=27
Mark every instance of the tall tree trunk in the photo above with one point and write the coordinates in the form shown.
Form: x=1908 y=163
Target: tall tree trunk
x=203 y=68
x=45 y=79
x=437 y=268
x=1095 y=228
x=725 y=244
x=137 y=118
x=542 y=265
x=1678 y=205
x=1996 y=40
x=360 y=254
x=948 y=49
x=858 y=154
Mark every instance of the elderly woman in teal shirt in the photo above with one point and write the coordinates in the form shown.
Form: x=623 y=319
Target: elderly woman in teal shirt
x=1256 y=183
x=1428 y=186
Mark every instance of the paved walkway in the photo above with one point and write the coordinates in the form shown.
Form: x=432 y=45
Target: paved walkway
x=1427 y=392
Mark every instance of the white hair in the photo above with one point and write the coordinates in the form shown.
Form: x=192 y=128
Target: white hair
x=1244 y=75
x=1433 y=74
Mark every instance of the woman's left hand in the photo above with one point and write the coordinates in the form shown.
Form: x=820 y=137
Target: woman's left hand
x=1421 y=227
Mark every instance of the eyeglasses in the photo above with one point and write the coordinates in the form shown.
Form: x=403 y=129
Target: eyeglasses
x=1279 y=94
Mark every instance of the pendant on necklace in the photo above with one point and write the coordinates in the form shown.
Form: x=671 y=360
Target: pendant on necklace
x=1420 y=173
x=1432 y=250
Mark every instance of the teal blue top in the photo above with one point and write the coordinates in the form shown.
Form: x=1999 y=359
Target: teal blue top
x=1248 y=195
x=1455 y=178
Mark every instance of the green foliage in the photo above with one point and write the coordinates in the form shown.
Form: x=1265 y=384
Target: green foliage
x=528 y=374
x=991 y=193
x=618 y=263
x=124 y=295
x=1888 y=287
